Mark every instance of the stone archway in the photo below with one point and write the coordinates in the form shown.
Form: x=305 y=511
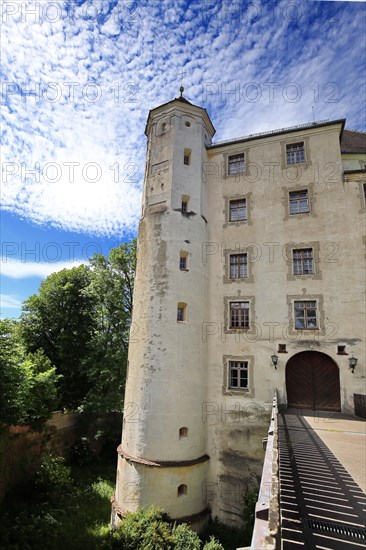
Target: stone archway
x=312 y=382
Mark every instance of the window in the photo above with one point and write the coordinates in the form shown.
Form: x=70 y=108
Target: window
x=238 y=266
x=238 y=210
x=238 y=374
x=295 y=153
x=302 y=261
x=181 y=312
x=299 y=202
x=341 y=350
x=239 y=314
x=185 y=204
x=183 y=433
x=282 y=348
x=182 y=490
x=305 y=315
x=183 y=260
x=235 y=164
x=187 y=157
x=364 y=190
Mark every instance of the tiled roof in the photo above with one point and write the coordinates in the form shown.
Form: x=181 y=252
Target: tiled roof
x=353 y=142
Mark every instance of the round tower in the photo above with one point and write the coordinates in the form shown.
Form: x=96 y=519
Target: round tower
x=162 y=458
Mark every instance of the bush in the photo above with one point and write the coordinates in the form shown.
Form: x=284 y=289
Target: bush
x=184 y=538
x=143 y=530
x=82 y=453
x=53 y=477
x=213 y=544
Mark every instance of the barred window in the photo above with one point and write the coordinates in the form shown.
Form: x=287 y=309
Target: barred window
x=305 y=315
x=238 y=210
x=238 y=266
x=302 y=261
x=299 y=201
x=238 y=374
x=295 y=153
x=239 y=314
x=235 y=164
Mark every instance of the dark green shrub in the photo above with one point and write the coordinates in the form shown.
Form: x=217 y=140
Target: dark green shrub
x=213 y=544
x=184 y=538
x=82 y=453
x=53 y=477
x=143 y=530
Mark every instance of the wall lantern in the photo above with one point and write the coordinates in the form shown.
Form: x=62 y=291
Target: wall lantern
x=274 y=358
x=352 y=363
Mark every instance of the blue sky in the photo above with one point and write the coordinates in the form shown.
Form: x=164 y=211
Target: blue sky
x=78 y=80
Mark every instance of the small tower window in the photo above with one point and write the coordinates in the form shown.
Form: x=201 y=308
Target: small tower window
x=183 y=433
x=182 y=490
x=183 y=261
x=181 y=312
x=187 y=157
x=188 y=124
x=185 y=203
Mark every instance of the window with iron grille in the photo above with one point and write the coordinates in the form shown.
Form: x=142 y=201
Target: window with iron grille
x=239 y=314
x=238 y=374
x=305 y=315
x=184 y=206
x=302 y=261
x=238 y=210
x=299 y=201
x=238 y=266
x=183 y=263
x=235 y=164
x=295 y=153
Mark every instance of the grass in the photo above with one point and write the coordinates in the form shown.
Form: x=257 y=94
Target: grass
x=76 y=519
x=70 y=509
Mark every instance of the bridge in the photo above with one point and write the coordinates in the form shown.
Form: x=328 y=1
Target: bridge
x=312 y=492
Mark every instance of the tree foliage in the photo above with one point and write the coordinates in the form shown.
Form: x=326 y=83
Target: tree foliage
x=80 y=318
x=28 y=381
x=149 y=530
x=111 y=290
x=59 y=320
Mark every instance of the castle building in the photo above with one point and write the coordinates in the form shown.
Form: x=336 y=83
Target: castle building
x=250 y=277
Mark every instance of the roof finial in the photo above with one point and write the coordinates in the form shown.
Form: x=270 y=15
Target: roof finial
x=182 y=75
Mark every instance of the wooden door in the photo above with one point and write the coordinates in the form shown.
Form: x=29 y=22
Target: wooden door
x=312 y=382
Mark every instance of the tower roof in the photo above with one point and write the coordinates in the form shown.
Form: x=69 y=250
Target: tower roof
x=177 y=101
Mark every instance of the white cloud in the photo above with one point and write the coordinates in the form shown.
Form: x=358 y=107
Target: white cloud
x=16 y=269
x=93 y=74
x=9 y=301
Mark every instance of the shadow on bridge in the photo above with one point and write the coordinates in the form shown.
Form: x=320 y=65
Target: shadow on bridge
x=321 y=506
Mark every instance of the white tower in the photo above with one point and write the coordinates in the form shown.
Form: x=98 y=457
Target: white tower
x=162 y=459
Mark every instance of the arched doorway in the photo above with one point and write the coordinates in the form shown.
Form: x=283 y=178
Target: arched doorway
x=312 y=382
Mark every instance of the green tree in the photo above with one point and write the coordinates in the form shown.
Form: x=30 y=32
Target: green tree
x=111 y=290
x=28 y=381
x=143 y=530
x=59 y=320
x=184 y=537
x=81 y=319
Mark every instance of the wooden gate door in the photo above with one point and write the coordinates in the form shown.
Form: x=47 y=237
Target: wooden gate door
x=312 y=382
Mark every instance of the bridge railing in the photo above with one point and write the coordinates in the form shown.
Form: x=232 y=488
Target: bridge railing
x=266 y=531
